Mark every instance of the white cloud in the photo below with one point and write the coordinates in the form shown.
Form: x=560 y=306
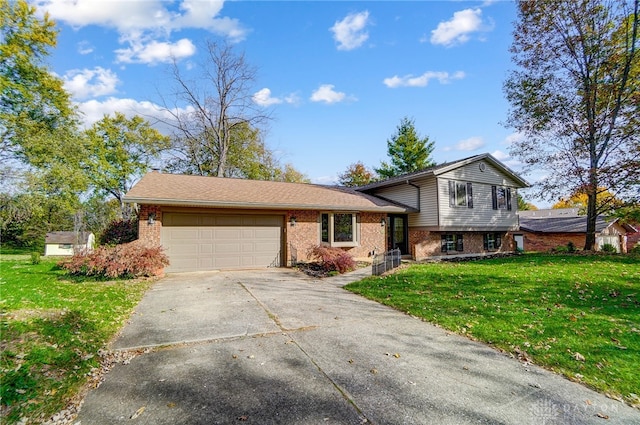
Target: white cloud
x=155 y=52
x=458 y=28
x=325 y=93
x=350 y=32
x=512 y=138
x=84 y=83
x=470 y=144
x=84 y=48
x=422 y=80
x=263 y=98
x=148 y=15
x=95 y=110
x=500 y=156
x=141 y=23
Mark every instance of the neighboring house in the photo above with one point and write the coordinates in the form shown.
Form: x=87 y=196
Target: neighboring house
x=545 y=230
x=467 y=207
x=66 y=243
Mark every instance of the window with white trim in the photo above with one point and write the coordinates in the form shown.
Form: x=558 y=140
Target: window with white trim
x=451 y=243
x=460 y=194
x=339 y=229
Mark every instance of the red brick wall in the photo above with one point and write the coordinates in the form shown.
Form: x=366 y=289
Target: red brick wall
x=305 y=234
x=424 y=243
x=149 y=234
x=548 y=241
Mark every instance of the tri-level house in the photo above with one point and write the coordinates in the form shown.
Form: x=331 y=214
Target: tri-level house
x=465 y=207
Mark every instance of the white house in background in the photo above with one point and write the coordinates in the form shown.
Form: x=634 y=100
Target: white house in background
x=66 y=243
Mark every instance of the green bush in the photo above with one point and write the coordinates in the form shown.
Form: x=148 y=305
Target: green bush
x=635 y=249
x=609 y=249
x=571 y=247
x=35 y=257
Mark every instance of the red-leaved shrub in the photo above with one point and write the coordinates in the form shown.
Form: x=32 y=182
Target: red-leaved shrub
x=120 y=232
x=332 y=259
x=128 y=260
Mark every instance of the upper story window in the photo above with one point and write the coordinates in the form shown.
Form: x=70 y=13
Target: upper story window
x=339 y=229
x=501 y=197
x=460 y=194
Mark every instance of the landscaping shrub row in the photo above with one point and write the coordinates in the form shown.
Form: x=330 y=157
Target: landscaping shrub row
x=126 y=260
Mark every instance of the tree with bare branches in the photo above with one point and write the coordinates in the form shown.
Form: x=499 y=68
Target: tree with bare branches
x=212 y=112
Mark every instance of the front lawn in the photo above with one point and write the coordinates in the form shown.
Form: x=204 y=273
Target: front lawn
x=574 y=314
x=52 y=328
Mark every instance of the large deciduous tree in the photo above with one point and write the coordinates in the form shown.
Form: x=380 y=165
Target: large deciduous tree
x=119 y=151
x=34 y=107
x=575 y=97
x=212 y=110
x=407 y=151
x=357 y=174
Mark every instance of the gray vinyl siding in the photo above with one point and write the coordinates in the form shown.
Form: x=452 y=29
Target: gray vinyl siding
x=404 y=194
x=471 y=173
x=428 y=215
x=482 y=216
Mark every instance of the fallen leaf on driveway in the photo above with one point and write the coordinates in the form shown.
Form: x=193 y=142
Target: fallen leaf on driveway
x=602 y=415
x=138 y=413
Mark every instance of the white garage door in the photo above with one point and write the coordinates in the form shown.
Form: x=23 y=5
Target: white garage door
x=197 y=242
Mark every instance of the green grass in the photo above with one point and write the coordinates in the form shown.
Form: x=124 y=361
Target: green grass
x=549 y=309
x=51 y=328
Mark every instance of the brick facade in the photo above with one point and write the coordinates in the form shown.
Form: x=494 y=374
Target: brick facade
x=298 y=238
x=305 y=234
x=427 y=244
x=149 y=234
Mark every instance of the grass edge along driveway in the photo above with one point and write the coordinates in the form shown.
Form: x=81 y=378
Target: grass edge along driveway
x=52 y=328
x=578 y=315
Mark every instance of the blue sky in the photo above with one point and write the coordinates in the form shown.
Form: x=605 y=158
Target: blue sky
x=337 y=76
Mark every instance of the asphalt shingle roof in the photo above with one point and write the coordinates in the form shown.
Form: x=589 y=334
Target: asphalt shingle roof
x=560 y=224
x=67 y=237
x=174 y=189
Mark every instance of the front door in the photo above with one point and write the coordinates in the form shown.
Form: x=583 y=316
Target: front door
x=397 y=236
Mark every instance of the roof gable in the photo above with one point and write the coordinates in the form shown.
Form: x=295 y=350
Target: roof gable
x=445 y=168
x=188 y=190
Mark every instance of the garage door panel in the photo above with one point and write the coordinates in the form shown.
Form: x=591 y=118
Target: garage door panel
x=261 y=233
x=208 y=241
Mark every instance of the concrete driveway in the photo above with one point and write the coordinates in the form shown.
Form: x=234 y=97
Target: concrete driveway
x=275 y=347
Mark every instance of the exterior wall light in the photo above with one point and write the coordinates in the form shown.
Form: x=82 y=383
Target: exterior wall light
x=292 y=220
x=383 y=222
x=152 y=218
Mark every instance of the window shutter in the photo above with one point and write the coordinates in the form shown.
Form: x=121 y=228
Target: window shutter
x=498 y=240
x=494 y=197
x=469 y=196
x=485 y=238
x=452 y=193
x=443 y=243
x=508 y=190
x=459 y=246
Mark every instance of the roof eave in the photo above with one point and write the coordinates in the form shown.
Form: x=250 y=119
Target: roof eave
x=261 y=206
